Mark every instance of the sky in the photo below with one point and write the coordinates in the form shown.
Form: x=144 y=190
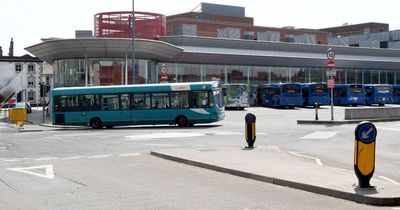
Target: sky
x=27 y=21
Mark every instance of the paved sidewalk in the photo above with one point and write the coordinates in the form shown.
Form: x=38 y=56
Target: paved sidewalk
x=269 y=164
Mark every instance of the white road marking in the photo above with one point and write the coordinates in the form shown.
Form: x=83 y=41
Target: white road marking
x=16 y=159
x=46 y=158
x=276 y=148
x=163 y=136
x=3 y=147
x=385 y=128
x=163 y=145
x=317 y=160
x=100 y=156
x=129 y=154
x=72 y=158
x=390 y=180
x=48 y=168
x=320 y=135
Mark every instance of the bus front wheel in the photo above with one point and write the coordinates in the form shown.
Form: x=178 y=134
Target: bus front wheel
x=182 y=121
x=96 y=123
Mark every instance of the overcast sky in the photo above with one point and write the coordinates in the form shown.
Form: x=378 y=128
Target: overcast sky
x=27 y=21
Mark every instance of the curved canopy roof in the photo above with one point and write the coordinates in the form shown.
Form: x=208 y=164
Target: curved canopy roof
x=52 y=50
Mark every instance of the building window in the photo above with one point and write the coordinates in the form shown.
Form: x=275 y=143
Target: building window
x=249 y=35
x=31 y=82
x=31 y=95
x=290 y=38
x=31 y=69
x=18 y=68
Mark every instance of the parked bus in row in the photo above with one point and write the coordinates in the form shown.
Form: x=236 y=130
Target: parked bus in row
x=396 y=94
x=349 y=94
x=236 y=96
x=280 y=95
x=183 y=104
x=380 y=94
x=315 y=94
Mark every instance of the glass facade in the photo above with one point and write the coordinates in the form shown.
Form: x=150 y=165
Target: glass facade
x=81 y=72
x=91 y=72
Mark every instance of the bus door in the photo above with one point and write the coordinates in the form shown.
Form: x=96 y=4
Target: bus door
x=141 y=105
x=111 y=112
x=125 y=113
x=396 y=94
x=160 y=107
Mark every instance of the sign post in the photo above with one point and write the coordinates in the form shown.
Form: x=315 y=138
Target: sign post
x=331 y=72
x=364 y=153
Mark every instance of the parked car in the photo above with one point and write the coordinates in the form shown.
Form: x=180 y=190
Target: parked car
x=25 y=105
x=7 y=106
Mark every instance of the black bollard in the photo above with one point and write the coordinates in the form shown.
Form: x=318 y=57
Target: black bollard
x=316 y=111
x=250 y=129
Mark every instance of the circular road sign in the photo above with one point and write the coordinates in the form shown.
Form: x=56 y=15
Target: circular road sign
x=164 y=69
x=331 y=54
x=366 y=132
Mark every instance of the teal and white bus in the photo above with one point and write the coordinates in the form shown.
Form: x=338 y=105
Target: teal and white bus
x=182 y=104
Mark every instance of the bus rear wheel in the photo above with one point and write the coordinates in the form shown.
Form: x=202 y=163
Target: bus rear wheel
x=96 y=123
x=182 y=121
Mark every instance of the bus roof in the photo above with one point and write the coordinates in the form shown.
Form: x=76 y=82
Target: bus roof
x=138 y=88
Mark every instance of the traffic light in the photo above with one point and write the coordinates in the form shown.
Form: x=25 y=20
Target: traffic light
x=44 y=89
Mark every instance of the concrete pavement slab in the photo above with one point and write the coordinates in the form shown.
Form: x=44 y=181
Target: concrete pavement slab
x=271 y=165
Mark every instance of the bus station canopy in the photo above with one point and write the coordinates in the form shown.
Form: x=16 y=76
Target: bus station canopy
x=56 y=49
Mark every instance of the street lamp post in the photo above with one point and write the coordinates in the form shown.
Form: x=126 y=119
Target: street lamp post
x=133 y=43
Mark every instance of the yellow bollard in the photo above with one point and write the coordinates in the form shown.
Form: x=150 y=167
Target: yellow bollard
x=250 y=129
x=364 y=153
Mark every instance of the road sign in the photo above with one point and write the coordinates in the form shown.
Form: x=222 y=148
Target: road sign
x=163 y=69
x=366 y=132
x=17 y=114
x=331 y=83
x=331 y=64
x=331 y=54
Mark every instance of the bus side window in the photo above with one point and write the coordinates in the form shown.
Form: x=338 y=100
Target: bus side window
x=175 y=99
x=199 y=99
x=125 y=102
x=110 y=102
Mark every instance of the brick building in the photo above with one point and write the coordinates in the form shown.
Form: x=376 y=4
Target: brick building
x=223 y=21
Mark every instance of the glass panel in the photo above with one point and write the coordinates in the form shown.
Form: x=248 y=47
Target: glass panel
x=89 y=101
x=390 y=76
x=259 y=75
x=214 y=72
x=199 y=99
x=125 y=104
x=140 y=102
x=237 y=74
x=297 y=75
x=160 y=100
x=109 y=102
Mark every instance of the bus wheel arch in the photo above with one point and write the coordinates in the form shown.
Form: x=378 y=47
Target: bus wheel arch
x=96 y=123
x=182 y=121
